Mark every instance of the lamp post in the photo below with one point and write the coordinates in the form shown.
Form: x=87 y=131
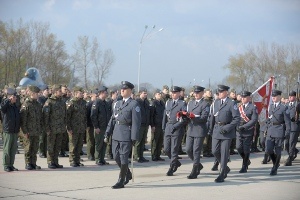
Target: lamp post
x=150 y=34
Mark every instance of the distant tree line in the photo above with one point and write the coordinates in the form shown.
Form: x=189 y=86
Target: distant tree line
x=257 y=64
x=32 y=44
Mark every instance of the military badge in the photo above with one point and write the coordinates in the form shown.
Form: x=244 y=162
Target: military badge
x=137 y=109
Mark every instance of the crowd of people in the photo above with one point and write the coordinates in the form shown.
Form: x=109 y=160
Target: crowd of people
x=54 y=120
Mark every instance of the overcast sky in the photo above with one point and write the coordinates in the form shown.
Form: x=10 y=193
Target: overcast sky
x=197 y=40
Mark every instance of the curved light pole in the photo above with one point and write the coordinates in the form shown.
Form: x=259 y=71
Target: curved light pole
x=150 y=34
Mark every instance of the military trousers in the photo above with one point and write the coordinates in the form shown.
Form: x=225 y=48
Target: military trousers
x=10 y=147
x=31 y=146
x=54 y=141
x=291 y=142
x=243 y=144
x=75 y=146
x=193 y=148
x=140 y=144
x=171 y=146
x=43 y=143
x=109 y=146
x=156 y=142
x=220 y=149
x=100 y=145
x=121 y=151
x=274 y=144
x=262 y=140
x=65 y=142
x=207 y=145
x=90 y=142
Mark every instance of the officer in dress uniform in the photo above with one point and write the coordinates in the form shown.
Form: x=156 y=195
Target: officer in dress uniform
x=294 y=110
x=245 y=130
x=278 y=129
x=224 y=119
x=127 y=116
x=198 y=110
x=173 y=128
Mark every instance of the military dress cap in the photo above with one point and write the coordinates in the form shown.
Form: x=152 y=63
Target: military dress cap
x=142 y=89
x=33 y=88
x=292 y=93
x=276 y=93
x=245 y=93
x=11 y=91
x=176 y=89
x=197 y=88
x=56 y=87
x=77 y=89
x=44 y=87
x=222 y=88
x=95 y=91
x=113 y=91
x=102 y=88
x=158 y=91
x=166 y=87
x=126 y=85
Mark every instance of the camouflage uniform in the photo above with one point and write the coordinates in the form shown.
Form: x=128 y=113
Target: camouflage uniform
x=31 y=123
x=76 y=122
x=54 y=115
x=65 y=137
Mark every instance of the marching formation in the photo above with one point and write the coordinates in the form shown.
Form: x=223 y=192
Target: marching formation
x=53 y=120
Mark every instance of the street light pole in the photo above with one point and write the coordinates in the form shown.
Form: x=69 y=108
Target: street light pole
x=140 y=48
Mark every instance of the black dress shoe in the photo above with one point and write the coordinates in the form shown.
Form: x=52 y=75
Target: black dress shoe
x=34 y=166
x=74 y=164
x=28 y=167
x=80 y=164
x=160 y=159
x=170 y=172
x=220 y=179
x=119 y=184
x=51 y=166
x=13 y=168
x=144 y=159
x=7 y=169
x=104 y=162
x=140 y=160
x=58 y=165
x=155 y=159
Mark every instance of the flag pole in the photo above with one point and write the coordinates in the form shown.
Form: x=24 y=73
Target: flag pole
x=263 y=85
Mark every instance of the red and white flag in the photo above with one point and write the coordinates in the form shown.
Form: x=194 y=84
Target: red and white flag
x=262 y=98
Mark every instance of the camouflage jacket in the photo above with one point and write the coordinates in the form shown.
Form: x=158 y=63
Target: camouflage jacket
x=54 y=115
x=76 y=115
x=31 y=117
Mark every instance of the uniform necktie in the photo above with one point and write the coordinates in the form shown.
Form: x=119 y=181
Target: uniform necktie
x=123 y=102
x=244 y=106
x=275 y=105
x=196 y=103
x=173 y=103
x=291 y=104
x=222 y=101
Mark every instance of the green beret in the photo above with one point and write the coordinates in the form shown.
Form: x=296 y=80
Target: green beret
x=33 y=88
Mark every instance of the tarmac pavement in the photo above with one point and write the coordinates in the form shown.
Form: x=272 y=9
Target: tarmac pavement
x=94 y=182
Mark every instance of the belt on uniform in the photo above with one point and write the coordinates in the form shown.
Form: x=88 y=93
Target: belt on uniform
x=122 y=123
x=276 y=123
x=223 y=123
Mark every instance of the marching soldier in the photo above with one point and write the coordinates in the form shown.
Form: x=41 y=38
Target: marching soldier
x=223 y=121
x=294 y=110
x=145 y=120
x=31 y=124
x=54 y=115
x=157 y=109
x=76 y=125
x=246 y=128
x=278 y=129
x=173 y=128
x=197 y=129
x=100 y=115
x=233 y=96
x=127 y=116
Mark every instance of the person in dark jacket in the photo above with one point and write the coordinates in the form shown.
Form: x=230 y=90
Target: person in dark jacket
x=11 y=127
